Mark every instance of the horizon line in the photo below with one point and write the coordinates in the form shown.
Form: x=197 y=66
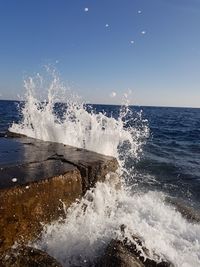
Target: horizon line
x=131 y=105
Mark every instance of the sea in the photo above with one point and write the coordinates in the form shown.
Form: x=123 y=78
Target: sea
x=158 y=149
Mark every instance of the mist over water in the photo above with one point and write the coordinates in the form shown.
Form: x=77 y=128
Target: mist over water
x=82 y=237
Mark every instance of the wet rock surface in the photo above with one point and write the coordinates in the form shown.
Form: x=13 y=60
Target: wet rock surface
x=39 y=181
x=117 y=255
x=24 y=209
x=16 y=154
x=27 y=257
x=130 y=254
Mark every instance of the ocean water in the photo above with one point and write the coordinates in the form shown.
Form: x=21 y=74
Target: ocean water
x=158 y=150
x=170 y=158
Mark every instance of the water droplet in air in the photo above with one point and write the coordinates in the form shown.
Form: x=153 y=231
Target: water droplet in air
x=113 y=94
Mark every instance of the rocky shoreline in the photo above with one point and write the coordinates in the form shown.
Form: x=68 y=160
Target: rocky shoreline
x=38 y=182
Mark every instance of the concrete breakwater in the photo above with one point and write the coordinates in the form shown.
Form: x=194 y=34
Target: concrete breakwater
x=39 y=180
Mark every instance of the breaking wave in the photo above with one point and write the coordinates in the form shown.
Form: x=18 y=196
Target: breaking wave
x=84 y=234
x=63 y=118
x=82 y=237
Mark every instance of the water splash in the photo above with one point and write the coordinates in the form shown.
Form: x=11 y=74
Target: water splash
x=78 y=126
x=82 y=237
x=85 y=233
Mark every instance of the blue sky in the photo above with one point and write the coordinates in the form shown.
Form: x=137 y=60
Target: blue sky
x=107 y=47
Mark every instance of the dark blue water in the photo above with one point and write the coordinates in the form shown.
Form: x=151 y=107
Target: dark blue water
x=170 y=160
x=172 y=153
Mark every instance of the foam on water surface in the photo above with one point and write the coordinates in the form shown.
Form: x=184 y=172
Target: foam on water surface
x=84 y=234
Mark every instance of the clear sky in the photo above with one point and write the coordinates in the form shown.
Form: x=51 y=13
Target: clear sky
x=105 y=48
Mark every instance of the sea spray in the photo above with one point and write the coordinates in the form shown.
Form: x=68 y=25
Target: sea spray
x=82 y=237
x=76 y=124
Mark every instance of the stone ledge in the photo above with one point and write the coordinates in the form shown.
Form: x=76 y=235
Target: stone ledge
x=17 y=154
x=38 y=179
x=24 y=209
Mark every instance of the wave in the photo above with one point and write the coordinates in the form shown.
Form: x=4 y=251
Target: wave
x=72 y=123
x=82 y=237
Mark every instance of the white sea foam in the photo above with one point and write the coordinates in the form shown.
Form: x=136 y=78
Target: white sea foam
x=85 y=233
x=78 y=127
x=82 y=238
